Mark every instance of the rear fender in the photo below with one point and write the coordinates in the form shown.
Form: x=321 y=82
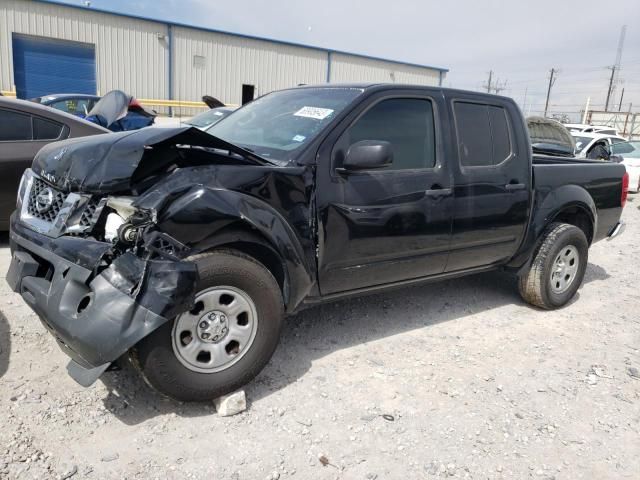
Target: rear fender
x=547 y=207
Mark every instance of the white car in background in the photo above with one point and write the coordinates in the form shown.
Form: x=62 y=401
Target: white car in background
x=586 y=143
x=630 y=153
x=584 y=128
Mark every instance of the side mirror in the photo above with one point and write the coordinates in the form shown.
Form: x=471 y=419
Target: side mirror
x=367 y=155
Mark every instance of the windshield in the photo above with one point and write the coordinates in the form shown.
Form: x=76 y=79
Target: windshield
x=581 y=143
x=208 y=118
x=279 y=124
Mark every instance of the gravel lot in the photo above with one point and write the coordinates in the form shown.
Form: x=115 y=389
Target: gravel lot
x=474 y=384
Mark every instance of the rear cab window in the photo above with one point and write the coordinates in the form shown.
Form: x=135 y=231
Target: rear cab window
x=484 y=134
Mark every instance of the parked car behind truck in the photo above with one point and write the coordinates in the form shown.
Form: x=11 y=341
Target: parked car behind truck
x=185 y=250
x=25 y=127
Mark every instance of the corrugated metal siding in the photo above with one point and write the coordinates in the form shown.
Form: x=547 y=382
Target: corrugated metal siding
x=349 y=68
x=227 y=62
x=129 y=54
x=132 y=55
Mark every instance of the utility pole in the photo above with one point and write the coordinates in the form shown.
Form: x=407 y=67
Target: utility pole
x=613 y=72
x=586 y=109
x=488 y=85
x=524 y=102
x=618 y=63
x=621 y=97
x=552 y=80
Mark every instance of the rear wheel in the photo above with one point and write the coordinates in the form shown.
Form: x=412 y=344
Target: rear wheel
x=224 y=340
x=557 y=269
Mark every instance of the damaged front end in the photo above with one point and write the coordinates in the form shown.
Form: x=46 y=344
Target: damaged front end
x=95 y=272
x=105 y=227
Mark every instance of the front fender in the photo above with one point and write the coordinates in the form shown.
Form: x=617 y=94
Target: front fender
x=195 y=215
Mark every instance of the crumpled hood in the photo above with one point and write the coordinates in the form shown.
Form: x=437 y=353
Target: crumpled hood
x=106 y=163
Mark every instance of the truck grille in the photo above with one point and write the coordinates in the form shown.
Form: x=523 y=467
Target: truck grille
x=51 y=214
x=86 y=220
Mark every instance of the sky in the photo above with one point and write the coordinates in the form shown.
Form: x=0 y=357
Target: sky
x=519 y=40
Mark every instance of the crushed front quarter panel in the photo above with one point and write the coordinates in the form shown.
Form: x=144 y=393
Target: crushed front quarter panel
x=96 y=318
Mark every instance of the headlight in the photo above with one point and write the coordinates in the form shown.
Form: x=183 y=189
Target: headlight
x=24 y=181
x=122 y=205
x=111 y=226
x=125 y=223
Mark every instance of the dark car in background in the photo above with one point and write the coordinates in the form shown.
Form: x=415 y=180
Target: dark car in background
x=25 y=127
x=74 y=103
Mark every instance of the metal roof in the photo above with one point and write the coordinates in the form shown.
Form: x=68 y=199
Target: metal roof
x=213 y=30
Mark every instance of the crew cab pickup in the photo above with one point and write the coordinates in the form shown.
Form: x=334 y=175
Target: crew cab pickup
x=183 y=249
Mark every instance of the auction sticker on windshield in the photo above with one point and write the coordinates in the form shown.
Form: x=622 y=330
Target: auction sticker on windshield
x=314 y=112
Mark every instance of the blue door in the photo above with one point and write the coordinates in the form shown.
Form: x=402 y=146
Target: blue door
x=43 y=66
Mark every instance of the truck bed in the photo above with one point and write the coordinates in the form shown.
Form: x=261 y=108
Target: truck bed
x=559 y=176
x=539 y=159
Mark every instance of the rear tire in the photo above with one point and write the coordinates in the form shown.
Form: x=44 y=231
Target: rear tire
x=557 y=269
x=161 y=359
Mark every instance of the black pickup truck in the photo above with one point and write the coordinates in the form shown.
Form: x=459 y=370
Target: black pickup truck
x=185 y=249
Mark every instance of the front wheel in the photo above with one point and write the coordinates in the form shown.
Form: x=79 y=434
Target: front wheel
x=557 y=269
x=224 y=340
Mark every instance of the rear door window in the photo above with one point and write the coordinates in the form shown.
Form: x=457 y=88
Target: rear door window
x=14 y=126
x=46 y=129
x=483 y=131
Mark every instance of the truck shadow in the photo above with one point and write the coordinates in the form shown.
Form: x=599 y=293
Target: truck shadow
x=319 y=331
x=5 y=344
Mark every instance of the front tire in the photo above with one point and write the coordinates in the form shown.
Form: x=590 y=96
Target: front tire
x=557 y=269
x=225 y=340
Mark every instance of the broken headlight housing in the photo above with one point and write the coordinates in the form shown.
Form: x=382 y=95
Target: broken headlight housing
x=124 y=222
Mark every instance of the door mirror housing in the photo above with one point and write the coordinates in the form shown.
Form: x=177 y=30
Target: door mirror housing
x=367 y=155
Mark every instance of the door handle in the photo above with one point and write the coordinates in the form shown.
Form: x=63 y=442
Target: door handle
x=438 y=192
x=515 y=186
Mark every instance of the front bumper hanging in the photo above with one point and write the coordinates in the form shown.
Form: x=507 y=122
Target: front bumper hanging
x=95 y=318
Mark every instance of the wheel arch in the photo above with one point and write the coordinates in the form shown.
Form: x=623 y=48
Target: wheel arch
x=570 y=204
x=578 y=216
x=245 y=239
x=205 y=218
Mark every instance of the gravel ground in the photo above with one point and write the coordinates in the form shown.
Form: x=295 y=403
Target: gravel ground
x=472 y=383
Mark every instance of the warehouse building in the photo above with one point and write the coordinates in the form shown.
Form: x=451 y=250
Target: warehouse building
x=47 y=47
